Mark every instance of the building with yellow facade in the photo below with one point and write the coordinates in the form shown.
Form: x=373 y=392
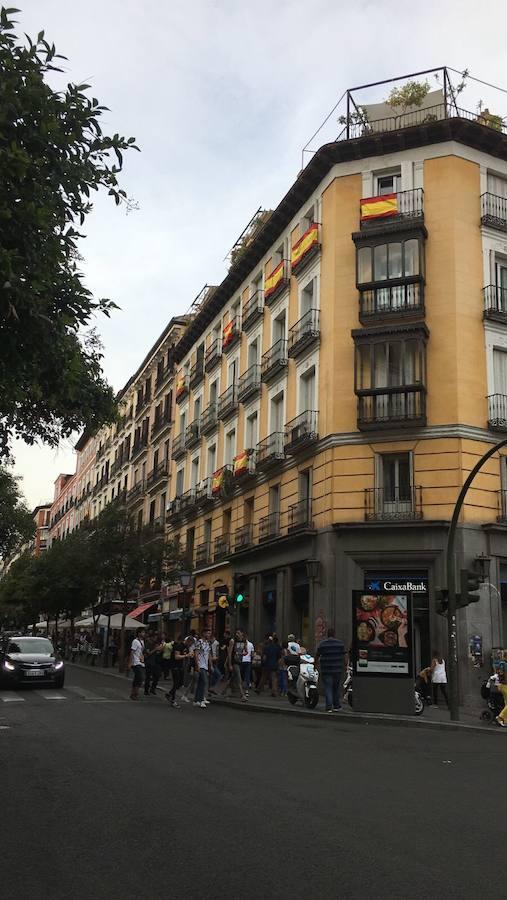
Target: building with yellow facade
x=335 y=390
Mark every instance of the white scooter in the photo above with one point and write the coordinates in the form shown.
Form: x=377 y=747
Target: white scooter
x=302 y=680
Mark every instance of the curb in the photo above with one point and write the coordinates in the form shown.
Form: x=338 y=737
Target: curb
x=346 y=717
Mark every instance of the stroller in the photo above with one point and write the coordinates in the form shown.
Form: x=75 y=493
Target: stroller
x=493 y=698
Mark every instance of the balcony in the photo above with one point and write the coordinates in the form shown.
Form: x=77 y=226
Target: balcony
x=389 y=210
x=404 y=300
x=178 y=449
x=253 y=310
x=228 y=402
x=192 y=434
x=187 y=500
x=250 y=383
x=300 y=516
x=182 y=387
x=269 y=527
x=203 y=493
x=304 y=333
x=277 y=282
x=243 y=538
x=381 y=505
x=143 y=403
x=197 y=372
x=139 y=446
x=203 y=554
x=209 y=419
x=155 y=528
x=305 y=249
x=502 y=506
x=232 y=334
x=158 y=473
x=160 y=423
x=243 y=465
x=212 y=355
x=382 y=408
x=495 y=302
x=221 y=547
x=275 y=360
x=136 y=493
x=222 y=483
x=271 y=451
x=497 y=412
x=301 y=431
x=163 y=374
x=118 y=464
x=494 y=211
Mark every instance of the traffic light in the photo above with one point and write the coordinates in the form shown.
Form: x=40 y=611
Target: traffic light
x=239 y=587
x=441 y=602
x=470 y=583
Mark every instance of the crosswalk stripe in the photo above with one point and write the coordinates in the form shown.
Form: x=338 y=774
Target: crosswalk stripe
x=84 y=693
x=53 y=696
x=13 y=698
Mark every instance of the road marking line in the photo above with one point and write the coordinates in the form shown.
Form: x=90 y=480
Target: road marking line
x=13 y=698
x=84 y=694
x=4 y=727
x=53 y=697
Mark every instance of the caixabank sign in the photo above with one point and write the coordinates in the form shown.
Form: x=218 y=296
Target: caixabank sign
x=416 y=584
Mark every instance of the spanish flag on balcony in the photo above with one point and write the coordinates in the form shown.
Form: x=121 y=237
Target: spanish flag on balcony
x=309 y=240
x=228 y=333
x=240 y=464
x=379 y=207
x=217 y=481
x=273 y=280
x=180 y=384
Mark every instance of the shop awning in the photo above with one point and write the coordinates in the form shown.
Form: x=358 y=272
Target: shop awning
x=139 y=610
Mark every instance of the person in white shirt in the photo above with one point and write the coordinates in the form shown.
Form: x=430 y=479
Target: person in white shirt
x=438 y=677
x=246 y=665
x=292 y=645
x=137 y=663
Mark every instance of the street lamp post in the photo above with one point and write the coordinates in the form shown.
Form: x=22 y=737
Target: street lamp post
x=185 y=581
x=452 y=633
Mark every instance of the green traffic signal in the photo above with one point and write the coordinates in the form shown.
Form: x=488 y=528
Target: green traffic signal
x=239 y=598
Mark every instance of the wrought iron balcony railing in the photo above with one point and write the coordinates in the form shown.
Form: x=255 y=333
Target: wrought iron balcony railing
x=157 y=473
x=197 y=372
x=305 y=332
x=253 y=309
x=394 y=300
x=243 y=538
x=228 y=402
x=209 y=419
x=495 y=302
x=163 y=374
x=178 y=448
x=213 y=354
x=396 y=505
x=302 y=430
x=203 y=554
x=497 y=412
x=383 y=211
x=139 y=445
x=192 y=434
x=221 y=547
x=494 y=211
x=204 y=493
x=275 y=360
x=231 y=333
x=250 y=382
x=300 y=515
x=386 y=407
x=160 y=422
x=271 y=450
x=136 y=492
x=269 y=526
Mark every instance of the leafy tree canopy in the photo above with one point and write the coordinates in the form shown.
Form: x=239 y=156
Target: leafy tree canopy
x=53 y=155
x=16 y=522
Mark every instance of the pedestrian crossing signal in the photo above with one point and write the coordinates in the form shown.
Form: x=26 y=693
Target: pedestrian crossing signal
x=239 y=587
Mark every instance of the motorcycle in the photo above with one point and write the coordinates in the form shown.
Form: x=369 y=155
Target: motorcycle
x=302 y=680
x=348 y=694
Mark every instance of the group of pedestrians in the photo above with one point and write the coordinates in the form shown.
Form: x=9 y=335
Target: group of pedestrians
x=201 y=666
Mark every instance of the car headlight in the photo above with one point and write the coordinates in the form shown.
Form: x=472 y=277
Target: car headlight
x=59 y=664
x=9 y=666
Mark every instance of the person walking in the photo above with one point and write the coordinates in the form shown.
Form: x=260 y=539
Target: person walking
x=216 y=674
x=189 y=671
x=246 y=663
x=137 y=663
x=330 y=658
x=178 y=655
x=202 y=656
x=271 y=653
x=438 y=677
x=167 y=656
x=152 y=655
x=237 y=649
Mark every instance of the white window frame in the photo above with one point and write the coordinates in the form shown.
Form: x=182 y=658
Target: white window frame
x=254 y=411
x=227 y=434
x=313 y=274
x=280 y=388
x=309 y=362
x=212 y=445
x=195 y=459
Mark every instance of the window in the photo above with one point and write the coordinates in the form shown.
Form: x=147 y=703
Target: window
x=279 y=327
x=236 y=312
x=153 y=505
x=197 y=408
x=207 y=531
x=233 y=372
x=194 y=472
x=308 y=219
x=382 y=262
x=166 y=450
x=143 y=472
x=180 y=475
x=230 y=446
x=136 y=476
x=308 y=298
x=226 y=522
x=189 y=544
x=140 y=520
x=389 y=183
x=163 y=505
x=395 y=476
x=213 y=392
x=305 y=484
x=280 y=253
x=212 y=459
x=248 y=511
x=256 y=284
x=276 y=411
x=274 y=500
x=183 y=421
x=497 y=185
x=200 y=353
x=500 y=371
x=155 y=458
x=390 y=364
x=251 y=431
x=307 y=400
x=253 y=352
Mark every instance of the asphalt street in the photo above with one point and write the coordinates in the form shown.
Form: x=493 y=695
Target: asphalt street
x=105 y=798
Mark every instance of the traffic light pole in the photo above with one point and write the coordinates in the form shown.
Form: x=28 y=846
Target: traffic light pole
x=452 y=628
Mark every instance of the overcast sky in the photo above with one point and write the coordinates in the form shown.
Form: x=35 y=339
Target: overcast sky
x=221 y=97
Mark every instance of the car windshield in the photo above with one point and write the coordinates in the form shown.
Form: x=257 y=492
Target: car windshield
x=27 y=645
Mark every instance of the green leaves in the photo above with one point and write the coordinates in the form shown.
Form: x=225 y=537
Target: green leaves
x=53 y=155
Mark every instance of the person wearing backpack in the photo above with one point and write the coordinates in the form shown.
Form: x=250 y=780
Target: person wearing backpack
x=237 y=650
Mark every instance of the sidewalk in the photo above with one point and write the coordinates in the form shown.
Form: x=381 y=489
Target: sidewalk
x=437 y=719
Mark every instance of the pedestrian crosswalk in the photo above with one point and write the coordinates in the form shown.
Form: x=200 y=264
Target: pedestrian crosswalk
x=31 y=696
